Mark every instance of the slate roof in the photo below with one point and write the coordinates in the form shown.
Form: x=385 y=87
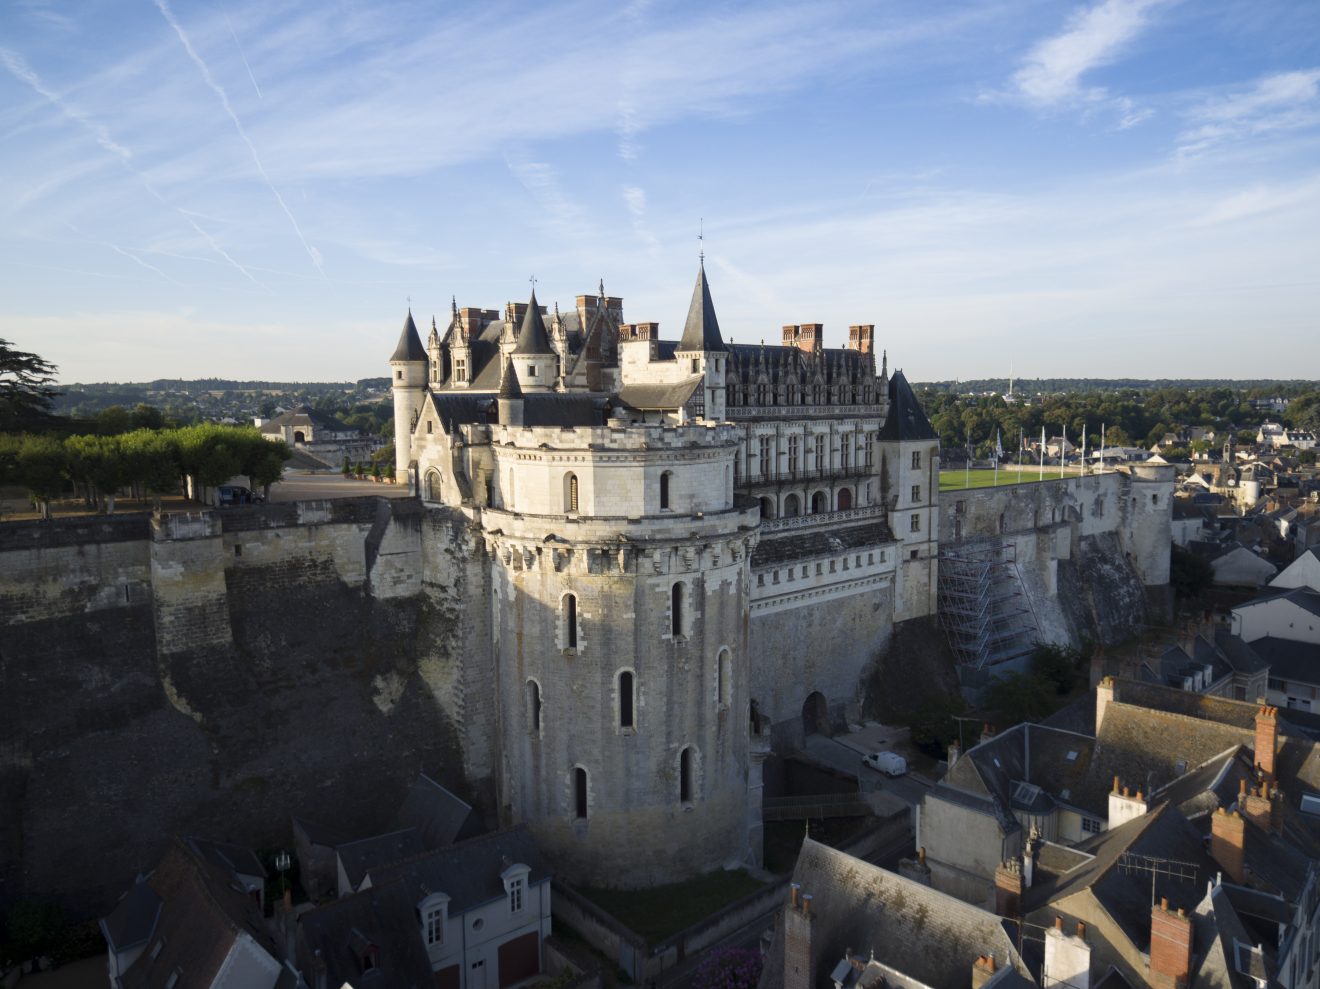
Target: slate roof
x=532 y=337
x=305 y=416
x=383 y=915
x=410 y=344
x=509 y=387
x=906 y=420
x=774 y=549
x=202 y=914
x=235 y=858
x=1298 y=662
x=1303 y=597
x=701 y=332
x=468 y=872
x=319 y=834
x=370 y=854
x=646 y=397
x=926 y=935
x=439 y=817
x=134 y=917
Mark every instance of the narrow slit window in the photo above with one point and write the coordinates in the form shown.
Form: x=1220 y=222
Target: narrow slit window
x=580 y=793
x=676 y=609
x=626 y=713
x=664 y=490
x=534 y=707
x=570 y=621
x=685 y=776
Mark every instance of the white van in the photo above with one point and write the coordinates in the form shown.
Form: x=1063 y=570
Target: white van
x=889 y=763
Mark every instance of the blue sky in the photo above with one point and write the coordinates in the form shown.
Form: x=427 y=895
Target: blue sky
x=255 y=190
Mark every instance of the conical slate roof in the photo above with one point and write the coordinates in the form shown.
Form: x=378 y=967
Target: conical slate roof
x=906 y=420
x=410 y=344
x=509 y=387
x=701 y=332
x=532 y=338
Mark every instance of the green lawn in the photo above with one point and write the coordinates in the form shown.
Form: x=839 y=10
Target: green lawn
x=957 y=480
x=657 y=913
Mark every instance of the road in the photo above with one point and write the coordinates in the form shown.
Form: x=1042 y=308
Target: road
x=844 y=758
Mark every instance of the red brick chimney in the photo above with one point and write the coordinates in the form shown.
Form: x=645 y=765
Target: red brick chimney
x=1170 y=945
x=983 y=970
x=799 y=969
x=1267 y=739
x=1008 y=889
x=1227 y=840
x=862 y=338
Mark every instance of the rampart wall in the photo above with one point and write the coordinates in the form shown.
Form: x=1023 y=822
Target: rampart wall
x=215 y=673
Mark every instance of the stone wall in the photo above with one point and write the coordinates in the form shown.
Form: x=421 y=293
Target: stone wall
x=215 y=673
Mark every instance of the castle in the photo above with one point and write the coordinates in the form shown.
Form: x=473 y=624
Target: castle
x=691 y=545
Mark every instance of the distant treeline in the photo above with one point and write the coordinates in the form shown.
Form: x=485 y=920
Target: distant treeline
x=147 y=461
x=226 y=384
x=1253 y=388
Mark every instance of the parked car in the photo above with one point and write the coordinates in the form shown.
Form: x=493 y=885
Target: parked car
x=236 y=494
x=889 y=763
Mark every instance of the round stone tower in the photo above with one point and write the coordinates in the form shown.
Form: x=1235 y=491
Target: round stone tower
x=621 y=582
x=408 y=378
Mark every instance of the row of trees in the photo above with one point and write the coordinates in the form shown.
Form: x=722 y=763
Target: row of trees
x=1130 y=418
x=147 y=461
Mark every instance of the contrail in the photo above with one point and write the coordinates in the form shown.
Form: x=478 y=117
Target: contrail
x=239 y=46
x=19 y=68
x=219 y=91
x=120 y=250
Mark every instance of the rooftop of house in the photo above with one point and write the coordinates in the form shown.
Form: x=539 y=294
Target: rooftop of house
x=380 y=921
x=365 y=856
x=439 y=817
x=927 y=936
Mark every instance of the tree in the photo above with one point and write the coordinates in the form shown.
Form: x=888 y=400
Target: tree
x=42 y=464
x=152 y=460
x=1019 y=697
x=729 y=967
x=347 y=469
x=1056 y=665
x=265 y=465
x=26 y=389
x=1189 y=574
x=98 y=462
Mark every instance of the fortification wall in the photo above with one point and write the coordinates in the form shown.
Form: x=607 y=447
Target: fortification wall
x=215 y=674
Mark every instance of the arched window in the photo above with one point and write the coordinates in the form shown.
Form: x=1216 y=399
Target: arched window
x=685 y=775
x=820 y=502
x=433 y=485
x=845 y=499
x=570 y=618
x=723 y=678
x=580 y=793
x=676 y=609
x=792 y=506
x=767 y=508
x=627 y=718
x=533 y=707
x=570 y=493
x=664 y=489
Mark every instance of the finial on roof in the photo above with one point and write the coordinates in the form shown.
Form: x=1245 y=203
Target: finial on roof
x=600 y=289
x=701 y=239
x=433 y=327
x=453 y=305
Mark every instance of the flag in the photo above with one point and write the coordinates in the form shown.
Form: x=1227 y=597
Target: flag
x=999 y=446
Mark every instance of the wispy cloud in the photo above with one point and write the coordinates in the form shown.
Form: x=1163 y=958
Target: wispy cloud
x=1280 y=102
x=1051 y=76
x=219 y=91
x=20 y=70
x=241 y=54
x=542 y=182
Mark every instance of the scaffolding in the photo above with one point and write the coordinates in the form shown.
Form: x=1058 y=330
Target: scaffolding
x=984 y=609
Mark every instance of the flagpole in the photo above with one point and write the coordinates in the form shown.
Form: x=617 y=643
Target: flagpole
x=1083 y=471
x=967 y=463
x=999 y=452
x=1042 y=452
x=1102 y=446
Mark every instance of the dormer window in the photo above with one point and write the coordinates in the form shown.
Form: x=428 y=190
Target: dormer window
x=515 y=886
x=433 y=912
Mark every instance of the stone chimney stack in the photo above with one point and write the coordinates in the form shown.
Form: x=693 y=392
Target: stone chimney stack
x=799 y=968
x=1124 y=807
x=862 y=338
x=1267 y=740
x=1170 y=945
x=1105 y=693
x=1067 y=958
x=987 y=731
x=1227 y=842
x=983 y=970
x=955 y=753
x=1008 y=889
x=1261 y=805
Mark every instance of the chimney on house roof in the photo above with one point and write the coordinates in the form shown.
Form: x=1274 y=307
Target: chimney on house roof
x=1106 y=692
x=1170 y=944
x=1261 y=805
x=862 y=338
x=983 y=970
x=1008 y=888
x=799 y=965
x=1227 y=842
x=1267 y=740
x=1067 y=957
x=1124 y=807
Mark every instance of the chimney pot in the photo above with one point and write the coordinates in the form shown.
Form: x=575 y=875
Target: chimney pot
x=1164 y=903
x=806 y=903
x=1058 y=923
x=1081 y=930
x=1126 y=793
x=921 y=855
x=793 y=890
x=1115 y=790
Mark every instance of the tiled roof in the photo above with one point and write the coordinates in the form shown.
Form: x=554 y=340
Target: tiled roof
x=775 y=548
x=927 y=936
x=660 y=396
x=439 y=817
x=410 y=344
x=906 y=419
x=701 y=332
x=370 y=854
x=468 y=872
x=383 y=915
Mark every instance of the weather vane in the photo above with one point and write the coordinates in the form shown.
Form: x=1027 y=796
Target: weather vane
x=532 y=279
x=701 y=237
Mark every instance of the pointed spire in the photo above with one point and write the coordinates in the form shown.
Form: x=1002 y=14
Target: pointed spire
x=410 y=344
x=532 y=338
x=701 y=333
x=509 y=387
x=906 y=419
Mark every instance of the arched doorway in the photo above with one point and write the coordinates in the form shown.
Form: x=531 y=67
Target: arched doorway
x=792 y=506
x=767 y=508
x=433 y=486
x=845 y=499
x=815 y=715
x=820 y=502
x=298 y=436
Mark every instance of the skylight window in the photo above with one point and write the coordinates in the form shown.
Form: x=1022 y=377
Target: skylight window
x=1072 y=755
